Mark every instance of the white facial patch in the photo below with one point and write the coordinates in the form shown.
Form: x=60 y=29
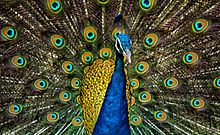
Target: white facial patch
x=126 y=52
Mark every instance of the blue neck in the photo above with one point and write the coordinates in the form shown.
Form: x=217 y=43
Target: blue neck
x=119 y=63
x=113 y=117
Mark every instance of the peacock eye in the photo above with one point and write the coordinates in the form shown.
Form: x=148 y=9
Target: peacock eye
x=103 y=1
x=41 y=84
x=19 y=61
x=87 y=57
x=15 y=108
x=142 y=67
x=68 y=67
x=216 y=83
x=190 y=58
x=75 y=83
x=147 y=5
x=134 y=83
x=160 y=116
x=136 y=120
x=171 y=83
x=65 y=96
x=197 y=103
x=53 y=117
x=57 y=41
x=55 y=6
x=105 y=53
x=150 y=40
x=200 y=25
x=77 y=121
x=9 y=33
x=90 y=34
x=115 y=33
x=145 y=97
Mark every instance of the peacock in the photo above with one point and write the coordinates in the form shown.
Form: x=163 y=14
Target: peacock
x=110 y=67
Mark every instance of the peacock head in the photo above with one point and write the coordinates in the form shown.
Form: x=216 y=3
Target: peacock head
x=123 y=41
x=123 y=46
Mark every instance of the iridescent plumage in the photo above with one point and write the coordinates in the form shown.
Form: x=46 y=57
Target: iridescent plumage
x=57 y=59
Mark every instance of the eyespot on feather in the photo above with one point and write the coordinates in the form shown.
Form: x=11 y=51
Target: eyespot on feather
x=87 y=57
x=77 y=121
x=147 y=5
x=65 y=96
x=135 y=120
x=171 y=83
x=68 y=67
x=141 y=67
x=197 y=103
x=90 y=34
x=53 y=117
x=145 y=97
x=105 y=53
x=15 y=108
x=200 y=25
x=134 y=83
x=150 y=40
x=54 y=6
x=190 y=58
x=57 y=41
x=18 y=61
x=41 y=84
x=216 y=82
x=75 y=83
x=9 y=33
x=160 y=116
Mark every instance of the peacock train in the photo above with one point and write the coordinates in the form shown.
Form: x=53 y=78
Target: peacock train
x=110 y=67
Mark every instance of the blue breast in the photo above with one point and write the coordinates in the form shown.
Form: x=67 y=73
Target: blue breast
x=113 y=117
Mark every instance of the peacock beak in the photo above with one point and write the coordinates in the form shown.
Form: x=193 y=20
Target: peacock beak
x=127 y=53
